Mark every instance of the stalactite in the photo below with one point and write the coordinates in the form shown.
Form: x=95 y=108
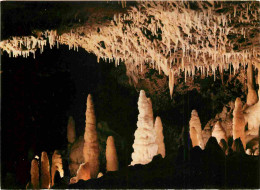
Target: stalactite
x=159 y=136
x=45 y=171
x=91 y=145
x=111 y=155
x=35 y=174
x=171 y=81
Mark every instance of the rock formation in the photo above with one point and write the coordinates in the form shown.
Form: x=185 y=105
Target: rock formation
x=45 y=171
x=34 y=174
x=195 y=130
x=218 y=132
x=56 y=166
x=83 y=173
x=206 y=134
x=159 y=136
x=76 y=156
x=111 y=155
x=145 y=147
x=251 y=98
x=71 y=133
x=91 y=145
x=239 y=122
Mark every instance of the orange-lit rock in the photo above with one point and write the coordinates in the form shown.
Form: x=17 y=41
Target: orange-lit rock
x=91 y=145
x=35 y=174
x=56 y=166
x=111 y=155
x=218 y=132
x=195 y=130
x=239 y=122
x=45 y=171
x=71 y=133
x=159 y=136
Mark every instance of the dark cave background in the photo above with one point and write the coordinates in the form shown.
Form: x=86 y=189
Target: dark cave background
x=38 y=95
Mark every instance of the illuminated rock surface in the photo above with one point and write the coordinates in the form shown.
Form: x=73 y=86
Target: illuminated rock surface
x=144 y=145
x=111 y=155
x=158 y=127
x=91 y=147
x=35 y=174
x=45 y=171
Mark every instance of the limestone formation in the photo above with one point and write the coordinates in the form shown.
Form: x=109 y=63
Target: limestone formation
x=34 y=174
x=239 y=122
x=111 y=155
x=251 y=98
x=218 y=132
x=195 y=130
x=91 y=145
x=206 y=134
x=145 y=147
x=76 y=156
x=159 y=136
x=71 y=133
x=45 y=171
x=56 y=166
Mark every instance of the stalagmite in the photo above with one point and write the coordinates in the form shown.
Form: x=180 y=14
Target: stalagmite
x=218 y=132
x=76 y=156
x=251 y=98
x=45 y=171
x=100 y=174
x=71 y=134
x=56 y=166
x=206 y=134
x=83 y=172
x=111 y=155
x=91 y=145
x=34 y=174
x=239 y=122
x=252 y=114
x=195 y=130
x=159 y=136
x=144 y=145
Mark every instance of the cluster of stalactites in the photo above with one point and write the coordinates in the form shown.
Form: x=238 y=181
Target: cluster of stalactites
x=169 y=36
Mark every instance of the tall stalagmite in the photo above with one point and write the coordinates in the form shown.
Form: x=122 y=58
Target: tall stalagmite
x=239 y=122
x=159 y=136
x=196 y=134
x=45 y=171
x=145 y=147
x=91 y=145
x=218 y=132
x=251 y=98
x=56 y=166
x=252 y=115
x=34 y=174
x=111 y=155
x=71 y=133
